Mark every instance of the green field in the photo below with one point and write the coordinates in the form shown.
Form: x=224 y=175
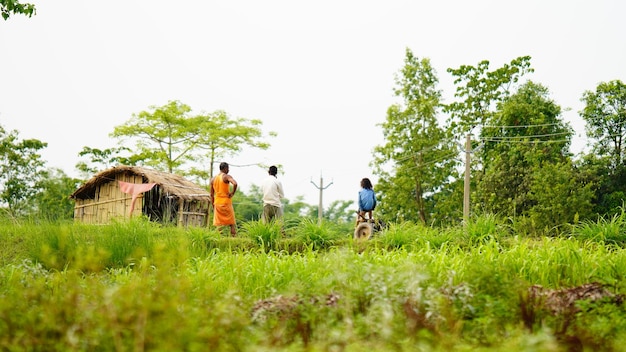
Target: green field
x=137 y=286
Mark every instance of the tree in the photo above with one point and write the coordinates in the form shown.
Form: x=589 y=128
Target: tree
x=559 y=194
x=14 y=7
x=248 y=206
x=21 y=168
x=298 y=208
x=164 y=137
x=524 y=141
x=102 y=159
x=169 y=137
x=605 y=117
x=609 y=184
x=480 y=91
x=221 y=135
x=52 y=202
x=339 y=212
x=417 y=159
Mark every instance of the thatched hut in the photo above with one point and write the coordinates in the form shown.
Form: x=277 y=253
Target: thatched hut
x=125 y=191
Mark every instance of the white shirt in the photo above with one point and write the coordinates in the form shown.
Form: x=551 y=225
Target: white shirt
x=272 y=191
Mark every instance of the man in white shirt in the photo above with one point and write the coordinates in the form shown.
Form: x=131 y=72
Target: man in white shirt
x=272 y=195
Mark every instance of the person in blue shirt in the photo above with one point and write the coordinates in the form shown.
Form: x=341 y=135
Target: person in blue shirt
x=367 y=200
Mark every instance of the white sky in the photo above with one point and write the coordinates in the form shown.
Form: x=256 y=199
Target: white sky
x=319 y=73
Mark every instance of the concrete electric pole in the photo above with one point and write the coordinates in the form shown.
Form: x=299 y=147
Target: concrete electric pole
x=321 y=187
x=466 y=188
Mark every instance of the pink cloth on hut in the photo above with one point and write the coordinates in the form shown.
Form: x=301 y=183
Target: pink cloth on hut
x=134 y=189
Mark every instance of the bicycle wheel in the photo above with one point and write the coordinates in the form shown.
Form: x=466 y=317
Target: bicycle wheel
x=363 y=231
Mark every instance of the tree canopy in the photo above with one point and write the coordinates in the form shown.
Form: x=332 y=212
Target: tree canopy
x=21 y=168
x=605 y=115
x=170 y=138
x=164 y=137
x=220 y=135
x=526 y=160
x=416 y=159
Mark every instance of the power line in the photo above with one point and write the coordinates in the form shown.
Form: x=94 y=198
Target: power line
x=523 y=126
x=524 y=142
x=438 y=160
x=526 y=136
x=413 y=154
x=243 y=165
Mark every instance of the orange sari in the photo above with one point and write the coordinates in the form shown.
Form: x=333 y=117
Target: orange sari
x=224 y=213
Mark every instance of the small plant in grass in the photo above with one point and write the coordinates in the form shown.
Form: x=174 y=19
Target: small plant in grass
x=127 y=241
x=202 y=240
x=601 y=325
x=435 y=238
x=264 y=234
x=481 y=229
x=401 y=235
x=612 y=231
x=316 y=235
x=52 y=245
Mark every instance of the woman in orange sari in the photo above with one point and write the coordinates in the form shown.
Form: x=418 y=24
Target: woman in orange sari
x=221 y=199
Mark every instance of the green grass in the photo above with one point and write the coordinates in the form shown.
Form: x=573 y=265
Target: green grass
x=138 y=286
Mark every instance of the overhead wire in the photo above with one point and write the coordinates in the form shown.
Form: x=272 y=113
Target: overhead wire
x=526 y=136
x=522 y=126
x=412 y=154
x=525 y=142
x=444 y=157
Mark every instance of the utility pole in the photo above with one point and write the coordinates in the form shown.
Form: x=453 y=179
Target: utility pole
x=321 y=188
x=466 y=188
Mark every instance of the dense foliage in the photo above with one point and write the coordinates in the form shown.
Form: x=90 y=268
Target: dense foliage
x=517 y=155
x=415 y=163
x=21 y=168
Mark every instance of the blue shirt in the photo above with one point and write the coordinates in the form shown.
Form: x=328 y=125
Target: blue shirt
x=367 y=199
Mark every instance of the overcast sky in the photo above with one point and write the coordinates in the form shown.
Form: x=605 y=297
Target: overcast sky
x=319 y=73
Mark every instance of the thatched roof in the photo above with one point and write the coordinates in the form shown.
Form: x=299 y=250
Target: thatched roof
x=169 y=183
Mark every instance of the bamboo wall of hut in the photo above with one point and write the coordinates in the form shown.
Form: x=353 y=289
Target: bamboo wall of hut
x=172 y=199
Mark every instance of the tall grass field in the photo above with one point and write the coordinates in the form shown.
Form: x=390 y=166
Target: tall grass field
x=139 y=286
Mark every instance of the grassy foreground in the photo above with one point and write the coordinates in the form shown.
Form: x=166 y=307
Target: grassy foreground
x=140 y=287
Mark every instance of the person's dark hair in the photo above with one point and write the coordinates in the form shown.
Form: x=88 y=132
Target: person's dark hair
x=273 y=170
x=223 y=166
x=366 y=183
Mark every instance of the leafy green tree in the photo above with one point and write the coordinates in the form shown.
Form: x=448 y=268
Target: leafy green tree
x=448 y=202
x=525 y=139
x=609 y=184
x=605 y=117
x=21 y=169
x=220 y=135
x=480 y=90
x=417 y=159
x=560 y=195
x=52 y=202
x=340 y=211
x=99 y=159
x=164 y=137
x=298 y=208
x=248 y=206
x=169 y=137
x=14 y=7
